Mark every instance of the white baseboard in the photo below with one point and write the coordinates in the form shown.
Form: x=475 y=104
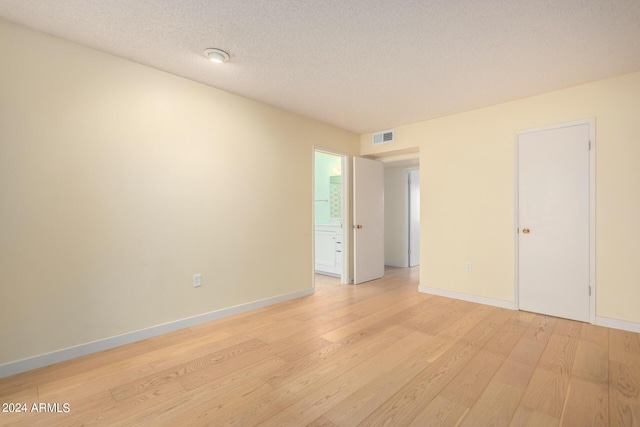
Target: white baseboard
x=395 y=264
x=618 y=324
x=327 y=273
x=468 y=297
x=47 y=359
x=623 y=325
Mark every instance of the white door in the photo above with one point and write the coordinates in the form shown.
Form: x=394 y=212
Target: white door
x=368 y=220
x=553 y=210
x=414 y=218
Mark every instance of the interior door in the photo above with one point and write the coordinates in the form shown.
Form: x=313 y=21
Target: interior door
x=368 y=220
x=414 y=218
x=553 y=210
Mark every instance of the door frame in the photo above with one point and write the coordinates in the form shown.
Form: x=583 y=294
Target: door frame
x=408 y=163
x=345 y=276
x=592 y=210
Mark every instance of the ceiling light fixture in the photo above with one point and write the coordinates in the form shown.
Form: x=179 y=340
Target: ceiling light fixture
x=218 y=56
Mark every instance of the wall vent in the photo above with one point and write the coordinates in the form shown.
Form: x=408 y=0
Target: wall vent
x=383 y=137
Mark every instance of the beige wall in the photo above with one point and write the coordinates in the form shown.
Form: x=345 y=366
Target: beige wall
x=467 y=208
x=118 y=182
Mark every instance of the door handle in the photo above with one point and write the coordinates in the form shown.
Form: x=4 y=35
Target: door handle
x=525 y=230
x=357 y=226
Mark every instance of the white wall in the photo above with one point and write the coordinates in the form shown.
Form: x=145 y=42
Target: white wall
x=118 y=182
x=396 y=216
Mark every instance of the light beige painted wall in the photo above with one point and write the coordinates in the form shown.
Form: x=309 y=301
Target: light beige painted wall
x=467 y=181
x=396 y=239
x=118 y=182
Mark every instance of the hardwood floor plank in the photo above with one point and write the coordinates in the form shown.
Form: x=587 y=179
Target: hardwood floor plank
x=177 y=353
x=499 y=400
x=527 y=417
x=315 y=404
x=297 y=352
x=73 y=368
x=197 y=407
x=548 y=385
x=381 y=316
x=369 y=397
x=495 y=406
x=297 y=383
x=180 y=336
x=192 y=376
x=457 y=330
x=210 y=366
x=465 y=388
x=319 y=326
x=624 y=378
x=92 y=382
x=440 y=412
x=289 y=348
x=109 y=413
x=283 y=373
x=379 y=353
x=21 y=395
x=409 y=401
x=592 y=355
x=361 y=301
x=444 y=314
x=568 y=328
x=587 y=404
x=322 y=422
x=79 y=407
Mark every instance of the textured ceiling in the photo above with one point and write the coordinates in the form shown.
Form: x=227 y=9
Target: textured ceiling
x=363 y=65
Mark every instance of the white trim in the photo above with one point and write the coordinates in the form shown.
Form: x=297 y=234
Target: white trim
x=47 y=359
x=592 y=218
x=408 y=232
x=516 y=223
x=623 y=325
x=395 y=264
x=346 y=226
x=326 y=273
x=591 y=123
x=468 y=297
x=406 y=189
x=313 y=217
x=345 y=278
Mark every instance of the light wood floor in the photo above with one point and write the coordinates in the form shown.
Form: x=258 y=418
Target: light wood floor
x=374 y=354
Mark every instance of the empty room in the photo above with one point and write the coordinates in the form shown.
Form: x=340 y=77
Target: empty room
x=320 y=213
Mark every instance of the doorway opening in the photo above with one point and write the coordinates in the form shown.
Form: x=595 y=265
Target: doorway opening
x=330 y=210
x=402 y=213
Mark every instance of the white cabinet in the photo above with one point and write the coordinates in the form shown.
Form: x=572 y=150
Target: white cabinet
x=329 y=249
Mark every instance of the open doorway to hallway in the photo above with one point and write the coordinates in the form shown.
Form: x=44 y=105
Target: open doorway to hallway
x=402 y=213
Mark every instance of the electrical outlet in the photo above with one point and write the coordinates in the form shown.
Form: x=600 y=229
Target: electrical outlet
x=197 y=280
x=467 y=267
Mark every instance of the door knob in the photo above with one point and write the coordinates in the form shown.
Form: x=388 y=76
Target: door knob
x=358 y=226
x=525 y=230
